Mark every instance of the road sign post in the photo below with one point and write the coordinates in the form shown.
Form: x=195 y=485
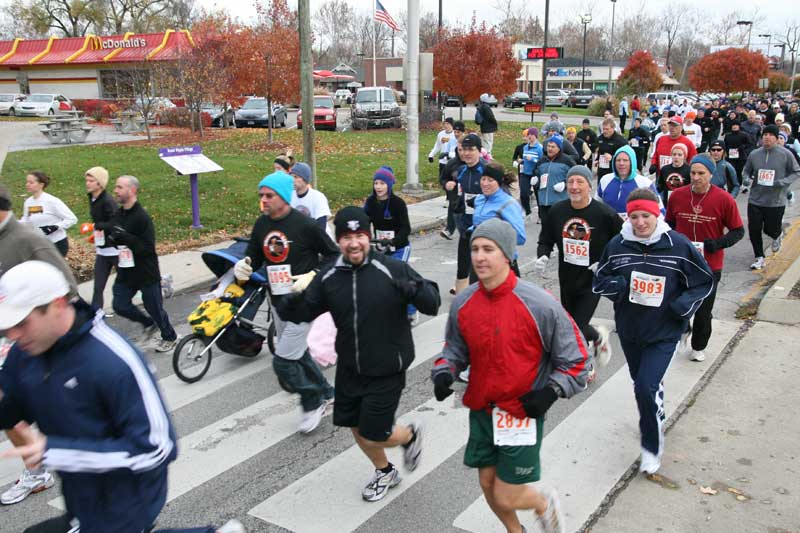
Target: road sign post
x=189 y=160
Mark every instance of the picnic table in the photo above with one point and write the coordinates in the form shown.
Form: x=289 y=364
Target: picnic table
x=129 y=122
x=66 y=129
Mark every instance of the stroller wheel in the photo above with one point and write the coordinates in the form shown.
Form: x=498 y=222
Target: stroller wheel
x=271 y=334
x=188 y=361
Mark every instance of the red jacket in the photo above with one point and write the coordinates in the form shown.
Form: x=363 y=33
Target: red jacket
x=664 y=148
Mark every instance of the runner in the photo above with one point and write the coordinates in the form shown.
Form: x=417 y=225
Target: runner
x=771 y=169
x=657 y=281
x=131 y=231
x=530 y=155
x=607 y=145
x=291 y=244
x=662 y=155
x=46 y=212
x=284 y=162
x=110 y=437
x=584 y=152
x=307 y=200
x=525 y=353
x=615 y=188
x=102 y=208
x=389 y=217
x=639 y=140
x=368 y=293
x=580 y=229
x=587 y=135
x=725 y=176
x=738 y=145
x=708 y=217
x=442 y=144
x=694 y=132
x=551 y=175
x=674 y=175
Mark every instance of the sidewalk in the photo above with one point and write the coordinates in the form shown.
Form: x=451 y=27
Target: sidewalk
x=731 y=461
x=188 y=270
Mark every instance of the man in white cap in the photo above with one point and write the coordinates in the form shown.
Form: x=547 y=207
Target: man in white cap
x=110 y=436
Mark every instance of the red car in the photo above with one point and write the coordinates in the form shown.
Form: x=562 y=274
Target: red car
x=324 y=114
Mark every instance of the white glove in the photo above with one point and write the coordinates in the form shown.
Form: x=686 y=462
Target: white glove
x=593 y=267
x=540 y=265
x=242 y=269
x=534 y=181
x=302 y=281
x=515 y=164
x=559 y=187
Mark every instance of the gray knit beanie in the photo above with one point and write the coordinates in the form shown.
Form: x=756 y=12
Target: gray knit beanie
x=501 y=233
x=581 y=170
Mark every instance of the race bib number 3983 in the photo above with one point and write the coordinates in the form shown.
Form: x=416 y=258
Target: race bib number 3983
x=646 y=289
x=510 y=431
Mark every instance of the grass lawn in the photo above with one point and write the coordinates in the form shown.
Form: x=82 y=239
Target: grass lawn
x=579 y=111
x=228 y=201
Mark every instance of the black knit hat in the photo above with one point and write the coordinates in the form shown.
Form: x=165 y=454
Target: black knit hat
x=351 y=219
x=772 y=129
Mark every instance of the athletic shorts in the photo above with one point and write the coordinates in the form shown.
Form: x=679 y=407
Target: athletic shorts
x=515 y=464
x=366 y=402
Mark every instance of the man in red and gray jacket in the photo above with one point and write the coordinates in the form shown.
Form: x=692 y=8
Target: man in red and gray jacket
x=525 y=352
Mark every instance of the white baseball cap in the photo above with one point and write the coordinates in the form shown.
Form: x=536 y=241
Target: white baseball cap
x=26 y=287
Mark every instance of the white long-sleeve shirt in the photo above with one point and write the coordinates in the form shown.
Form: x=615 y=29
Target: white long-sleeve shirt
x=694 y=132
x=442 y=146
x=48 y=210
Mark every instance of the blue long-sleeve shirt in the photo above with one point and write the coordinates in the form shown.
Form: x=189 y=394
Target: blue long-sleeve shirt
x=502 y=205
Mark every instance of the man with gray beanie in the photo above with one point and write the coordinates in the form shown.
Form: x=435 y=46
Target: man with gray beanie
x=544 y=358
x=580 y=228
x=307 y=200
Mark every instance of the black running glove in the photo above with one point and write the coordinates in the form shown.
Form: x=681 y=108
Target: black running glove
x=442 y=377
x=406 y=288
x=653 y=168
x=537 y=402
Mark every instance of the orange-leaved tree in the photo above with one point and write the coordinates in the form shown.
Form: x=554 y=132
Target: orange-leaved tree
x=468 y=64
x=641 y=74
x=729 y=70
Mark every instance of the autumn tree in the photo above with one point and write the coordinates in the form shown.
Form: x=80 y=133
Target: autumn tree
x=467 y=64
x=641 y=75
x=778 y=81
x=729 y=70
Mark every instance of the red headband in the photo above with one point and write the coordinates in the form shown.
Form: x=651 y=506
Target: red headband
x=650 y=206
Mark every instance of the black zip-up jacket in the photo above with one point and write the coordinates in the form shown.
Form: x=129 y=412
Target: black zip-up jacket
x=608 y=146
x=588 y=136
x=369 y=308
x=469 y=180
x=102 y=209
x=740 y=141
x=488 y=122
x=397 y=220
x=134 y=228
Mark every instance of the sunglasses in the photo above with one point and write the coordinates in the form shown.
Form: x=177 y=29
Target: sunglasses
x=267 y=195
x=716 y=149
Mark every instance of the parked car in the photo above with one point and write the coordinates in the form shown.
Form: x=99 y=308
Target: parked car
x=215 y=111
x=492 y=100
x=375 y=107
x=324 y=114
x=555 y=97
x=41 y=104
x=159 y=105
x=254 y=113
x=452 y=101
x=7 y=101
x=517 y=99
x=583 y=97
x=342 y=97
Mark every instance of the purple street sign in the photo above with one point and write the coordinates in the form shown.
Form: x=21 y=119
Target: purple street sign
x=180 y=150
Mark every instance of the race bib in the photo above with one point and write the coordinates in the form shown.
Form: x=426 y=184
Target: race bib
x=766 y=177
x=634 y=143
x=543 y=181
x=646 y=290
x=381 y=235
x=99 y=237
x=602 y=162
x=733 y=153
x=576 y=252
x=125 y=257
x=280 y=279
x=699 y=246
x=510 y=431
x=664 y=160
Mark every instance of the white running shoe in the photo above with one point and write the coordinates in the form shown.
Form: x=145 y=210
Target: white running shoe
x=758 y=264
x=602 y=346
x=464 y=375
x=232 y=526
x=413 y=451
x=552 y=521
x=164 y=345
x=26 y=485
x=380 y=484
x=649 y=463
x=697 y=355
x=311 y=419
x=684 y=345
x=776 y=244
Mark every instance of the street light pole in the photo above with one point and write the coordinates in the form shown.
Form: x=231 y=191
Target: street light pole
x=769 y=42
x=585 y=20
x=749 y=24
x=611 y=51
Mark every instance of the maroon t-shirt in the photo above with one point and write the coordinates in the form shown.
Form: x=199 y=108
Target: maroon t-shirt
x=704 y=216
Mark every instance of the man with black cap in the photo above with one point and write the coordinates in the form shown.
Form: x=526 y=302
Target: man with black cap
x=367 y=293
x=771 y=169
x=580 y=228
x=290 y=243
x=525 y=352
x=738 y=145
x=309 y=201
x=725 y=176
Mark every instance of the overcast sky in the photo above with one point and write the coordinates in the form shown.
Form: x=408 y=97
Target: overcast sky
x=461 y=10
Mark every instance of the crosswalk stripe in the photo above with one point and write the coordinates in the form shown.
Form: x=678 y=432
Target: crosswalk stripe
x=587 y=453
x=236 y=438
x=333 y=490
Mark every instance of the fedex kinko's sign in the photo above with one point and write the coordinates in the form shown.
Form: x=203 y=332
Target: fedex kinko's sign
x=111 y=44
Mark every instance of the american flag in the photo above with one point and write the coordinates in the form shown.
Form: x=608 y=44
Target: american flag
x=381 y=15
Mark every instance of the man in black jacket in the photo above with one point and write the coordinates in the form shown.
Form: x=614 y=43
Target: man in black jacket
x=587 y=135
x=607 y=145
x=367 y=294
x=484 y=117
x=102 y=208
x=131 y=231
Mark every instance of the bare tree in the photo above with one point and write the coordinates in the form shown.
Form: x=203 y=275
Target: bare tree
x=672 y=20
x=333 y=31
x=792 y=39
x=517 y=23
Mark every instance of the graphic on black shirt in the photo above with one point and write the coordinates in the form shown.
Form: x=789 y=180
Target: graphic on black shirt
x=578 y=229
x=674 y=180
x=276 y=246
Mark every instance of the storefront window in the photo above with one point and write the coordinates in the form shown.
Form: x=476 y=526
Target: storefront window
x=120 y=83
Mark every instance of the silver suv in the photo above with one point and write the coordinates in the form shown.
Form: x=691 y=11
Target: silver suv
x=375 y=107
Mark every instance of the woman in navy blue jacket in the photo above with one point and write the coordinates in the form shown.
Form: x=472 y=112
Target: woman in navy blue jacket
x=657 y=281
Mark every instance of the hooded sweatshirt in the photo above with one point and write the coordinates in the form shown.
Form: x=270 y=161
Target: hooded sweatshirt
x=614 y=191
x=771 y=173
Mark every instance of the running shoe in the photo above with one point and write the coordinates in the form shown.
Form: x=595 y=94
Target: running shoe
x=758 y=264
x=552 y=521
x=413 y=450
x=27 y=484
x=776 y=244
x=697 y=355
x=602 y=346
x=164 y=345
x=464 y=375
x=311 y=419
x=683 y=345
x=446 y=234
x=649 y=463
x=592 y=374
x=232 y=526
x=380 y=484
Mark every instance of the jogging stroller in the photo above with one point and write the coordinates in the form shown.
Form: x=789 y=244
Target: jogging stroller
x=225 y=317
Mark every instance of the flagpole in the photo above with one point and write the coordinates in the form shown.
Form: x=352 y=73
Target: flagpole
x=374 y=38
